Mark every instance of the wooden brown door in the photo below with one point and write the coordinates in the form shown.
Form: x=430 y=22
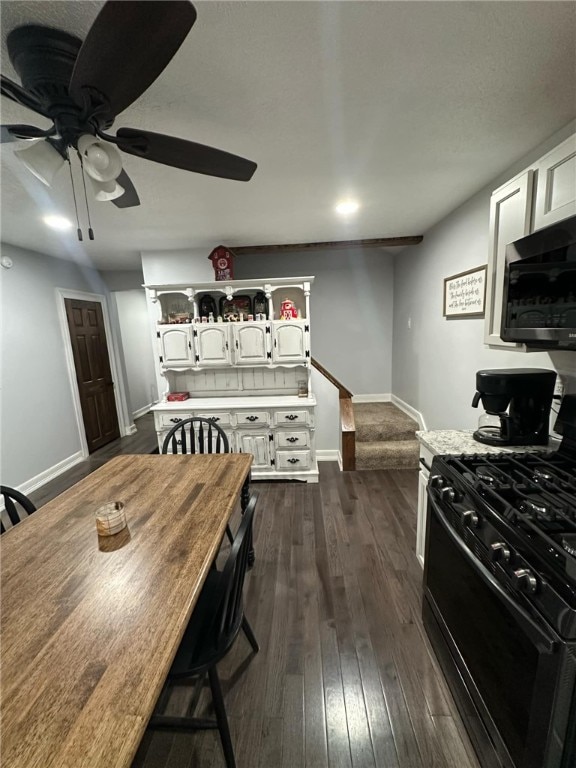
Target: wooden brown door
x=92 y=364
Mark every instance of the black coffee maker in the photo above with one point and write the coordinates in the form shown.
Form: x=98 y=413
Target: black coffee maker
x=517 y=403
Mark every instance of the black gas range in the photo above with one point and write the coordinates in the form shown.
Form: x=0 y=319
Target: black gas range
x=500 y=597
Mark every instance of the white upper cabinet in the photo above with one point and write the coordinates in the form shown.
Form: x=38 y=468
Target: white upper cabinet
x=176 y=345
x=542 y=195
x=212 y=344
x=251 y=343
x=290 y=341
x=556 y=185
x=510 y=209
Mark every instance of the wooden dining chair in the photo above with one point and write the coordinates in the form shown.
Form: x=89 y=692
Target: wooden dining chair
x=17 y=505
x=214 y=626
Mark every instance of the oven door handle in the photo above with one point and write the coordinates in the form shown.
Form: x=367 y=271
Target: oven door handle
x=534 y=630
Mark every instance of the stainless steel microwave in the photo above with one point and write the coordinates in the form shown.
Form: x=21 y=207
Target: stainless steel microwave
x=539 y=298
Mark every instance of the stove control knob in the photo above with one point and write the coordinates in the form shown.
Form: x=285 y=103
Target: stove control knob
x=449 y=494
x=469 y=518
x=436 y=481
x=525 y=580
x=499 y=552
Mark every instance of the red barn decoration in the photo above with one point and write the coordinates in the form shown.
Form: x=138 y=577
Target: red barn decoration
x=288 y=310
x=222 y=260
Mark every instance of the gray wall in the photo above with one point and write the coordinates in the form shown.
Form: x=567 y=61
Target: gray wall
x=435 y=361
x=136 y=344
x=351 y=307
x=123 y=279
x=37 y=421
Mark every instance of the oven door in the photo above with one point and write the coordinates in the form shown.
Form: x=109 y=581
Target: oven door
x=516 y=671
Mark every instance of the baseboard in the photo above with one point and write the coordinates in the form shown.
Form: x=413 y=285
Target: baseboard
x=130 y=429
x=412 y=412
x=142 y=411
x=385 y=398
x=52 y=472
x=327 y=455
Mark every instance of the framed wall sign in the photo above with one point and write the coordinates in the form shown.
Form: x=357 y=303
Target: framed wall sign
x=465 y=293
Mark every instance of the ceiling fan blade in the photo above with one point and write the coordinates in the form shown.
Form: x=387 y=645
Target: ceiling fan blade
x=187 y=155
x=130 y=197
x=127 y=47
x=16 y=93
x=17 y=132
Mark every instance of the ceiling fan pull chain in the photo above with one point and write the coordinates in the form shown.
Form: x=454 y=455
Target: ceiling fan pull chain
x=78 y=231
x=90 y=230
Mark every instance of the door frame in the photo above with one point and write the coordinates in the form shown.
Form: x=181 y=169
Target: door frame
x=119 y=389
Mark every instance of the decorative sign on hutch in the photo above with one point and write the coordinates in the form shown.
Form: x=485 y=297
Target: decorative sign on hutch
x=252 y=376
x=222 y=260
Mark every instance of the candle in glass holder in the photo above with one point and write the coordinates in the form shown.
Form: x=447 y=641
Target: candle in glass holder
x=110 y=518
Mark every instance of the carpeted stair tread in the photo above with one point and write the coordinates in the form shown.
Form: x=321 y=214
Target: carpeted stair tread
x=378 y=422
x=390 y=454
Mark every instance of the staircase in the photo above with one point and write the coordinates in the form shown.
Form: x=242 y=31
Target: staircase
x=385 y=437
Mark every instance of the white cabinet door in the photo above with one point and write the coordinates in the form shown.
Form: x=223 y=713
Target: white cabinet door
x=289 y=341
x=257 y=443
x=423 y=476
x=212 y=346
x=510 y=212
x=556 y=185
x=251 y=342
x=176 y=345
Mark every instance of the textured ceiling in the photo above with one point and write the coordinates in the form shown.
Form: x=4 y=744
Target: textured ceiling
x=409 y=106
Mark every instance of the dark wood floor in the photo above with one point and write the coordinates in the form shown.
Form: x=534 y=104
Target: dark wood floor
x=345 y=677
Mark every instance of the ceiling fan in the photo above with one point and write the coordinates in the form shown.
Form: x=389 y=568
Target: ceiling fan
x=82 y=87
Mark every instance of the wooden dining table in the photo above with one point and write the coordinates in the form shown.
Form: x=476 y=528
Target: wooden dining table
x=89 y=624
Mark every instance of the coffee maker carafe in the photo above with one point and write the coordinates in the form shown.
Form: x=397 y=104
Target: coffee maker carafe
x=517 y=403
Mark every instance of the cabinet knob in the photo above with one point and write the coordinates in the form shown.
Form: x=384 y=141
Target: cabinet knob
x=293 y=461
x=175 y=420
x=251 y=418
x=291 y=417
x=292 y=439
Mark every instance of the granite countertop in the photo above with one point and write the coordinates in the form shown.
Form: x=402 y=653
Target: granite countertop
x=441 y=441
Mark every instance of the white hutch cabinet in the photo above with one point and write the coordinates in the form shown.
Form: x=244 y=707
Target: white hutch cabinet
x=252 y=376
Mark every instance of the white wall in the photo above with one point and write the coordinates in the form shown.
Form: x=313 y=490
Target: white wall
x=136 y=348
x=38 y=424
x=435 y=361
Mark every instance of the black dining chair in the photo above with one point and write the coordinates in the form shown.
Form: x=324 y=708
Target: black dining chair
x=214 y=626
x=203 y=435
x=13 y=502
x=196 y=435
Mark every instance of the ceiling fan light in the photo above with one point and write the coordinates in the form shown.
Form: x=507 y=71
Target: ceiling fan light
x=106 y=190
x=42 y=160
x=101 y=160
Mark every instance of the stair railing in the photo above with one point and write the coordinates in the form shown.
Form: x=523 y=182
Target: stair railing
x=347 y=425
